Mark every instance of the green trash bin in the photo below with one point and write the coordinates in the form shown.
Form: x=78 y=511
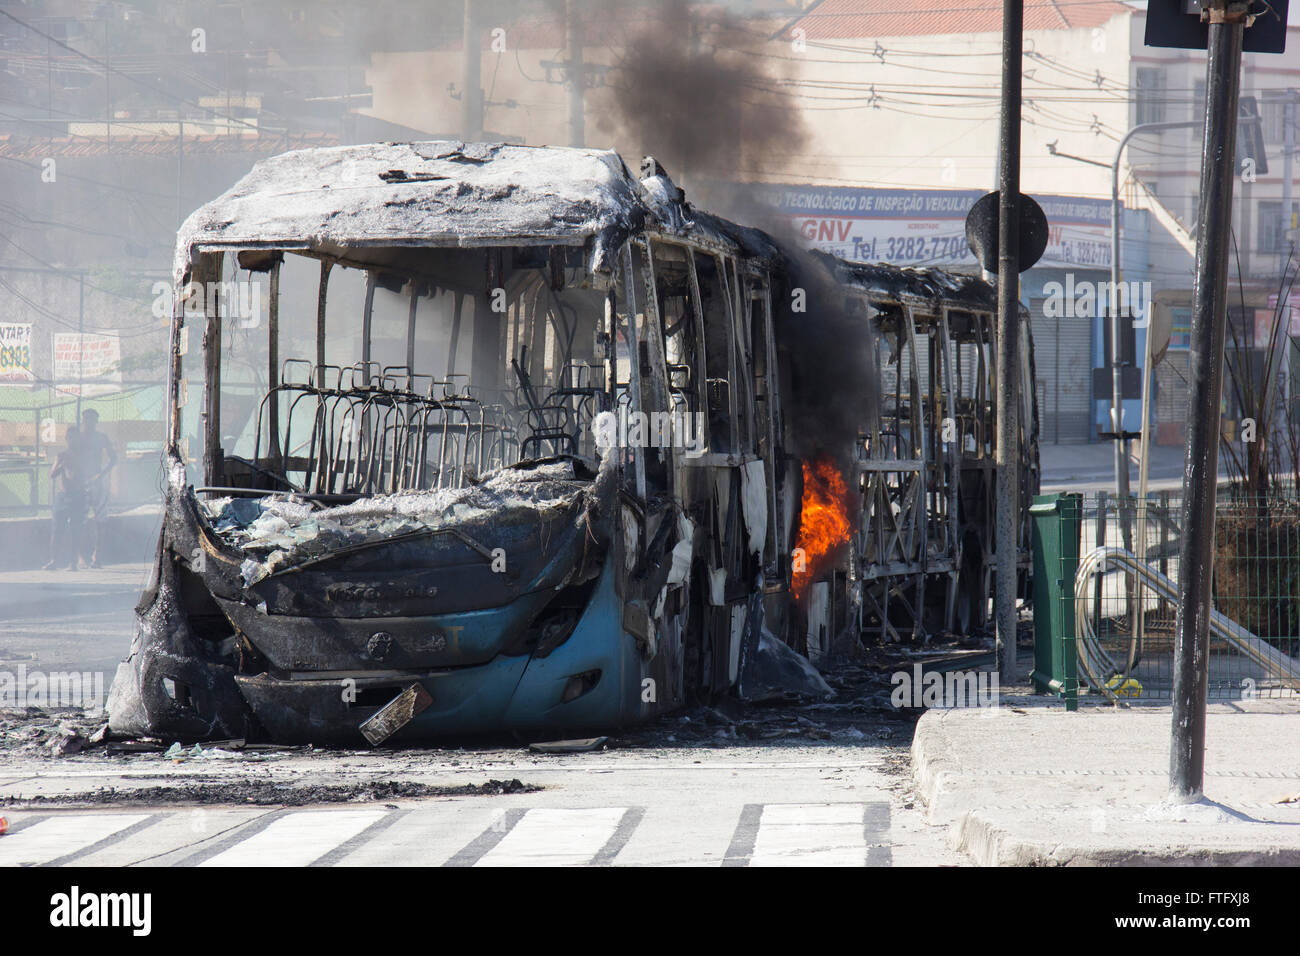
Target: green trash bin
x=1058 y=523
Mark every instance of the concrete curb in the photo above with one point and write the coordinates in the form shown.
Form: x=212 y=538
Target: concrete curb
x=932 y=759
x=989 y=842
x=1041 y=788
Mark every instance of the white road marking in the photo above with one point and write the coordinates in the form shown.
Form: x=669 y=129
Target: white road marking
x=809 y=834
x=296 y=839
x=802 y=834
x=62 y=834
x=426 y=836
x=174 y=836
x=551 y=837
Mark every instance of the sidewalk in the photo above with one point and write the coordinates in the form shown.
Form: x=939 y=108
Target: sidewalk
x=1028 y=784
x=1093 y=466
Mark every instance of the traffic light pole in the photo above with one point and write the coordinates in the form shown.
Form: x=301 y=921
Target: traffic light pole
x=1201 y=465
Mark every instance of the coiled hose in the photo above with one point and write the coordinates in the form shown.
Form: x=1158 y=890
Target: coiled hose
x=1100 y=668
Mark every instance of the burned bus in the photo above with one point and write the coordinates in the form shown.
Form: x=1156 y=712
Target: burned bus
x=476 y=438
x=920 y=557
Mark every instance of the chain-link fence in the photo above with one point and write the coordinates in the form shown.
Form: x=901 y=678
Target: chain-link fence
x=1123 y=588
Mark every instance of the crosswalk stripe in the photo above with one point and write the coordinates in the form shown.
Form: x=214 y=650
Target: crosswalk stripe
x=555 y=837
x=800 y=834
x=63 y=835
x=173 y=837
x=296 y=839
x=365 y=837
x=429 y=835
x=804 y=834
x=503 y=821
x=622 y=833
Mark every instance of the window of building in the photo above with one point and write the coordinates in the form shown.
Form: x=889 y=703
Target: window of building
x=1272 y=109
x=1150 y=95
x=1271 y=230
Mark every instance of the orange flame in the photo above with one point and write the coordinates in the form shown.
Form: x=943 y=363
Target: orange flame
x=823 y=521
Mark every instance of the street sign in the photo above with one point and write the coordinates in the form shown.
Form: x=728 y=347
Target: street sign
x=1178 y=23
x=982 y=231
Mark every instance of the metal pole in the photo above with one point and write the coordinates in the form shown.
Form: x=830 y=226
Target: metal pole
x=1116 y=402
x=1116 y=370
x=576 y=75
x=471 y=98
x=1288 y=137
x=1288 y=141
x=1201 y=465
x=1008 y=327
x=1133 y=592
x=108 y=86
x=81 y=343
x=180 y=169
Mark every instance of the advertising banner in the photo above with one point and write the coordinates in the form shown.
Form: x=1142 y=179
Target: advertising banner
x=15 y=354
x=87 y=364
x=927 y=227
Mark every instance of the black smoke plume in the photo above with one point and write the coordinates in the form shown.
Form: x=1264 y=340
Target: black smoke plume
x=706 y=93
x=833 y=389
x=700 y=89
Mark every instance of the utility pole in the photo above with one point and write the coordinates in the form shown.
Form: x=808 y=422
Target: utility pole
x=81 y=343
x=576 y=74
x=1008 y=329
x=108 y=84
x=1134 y=594
x=1289 y=223
x=1227 y=23
x=180 y=167
x=1288 y=146
x=471 y=97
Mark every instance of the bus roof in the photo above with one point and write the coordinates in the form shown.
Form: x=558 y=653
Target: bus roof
x=444 y=193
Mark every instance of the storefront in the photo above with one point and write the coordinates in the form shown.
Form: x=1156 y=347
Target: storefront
x=1067 y=291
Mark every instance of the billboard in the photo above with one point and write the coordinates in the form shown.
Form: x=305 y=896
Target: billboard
x=16 y=354
x=927 y=227
x=87 y=363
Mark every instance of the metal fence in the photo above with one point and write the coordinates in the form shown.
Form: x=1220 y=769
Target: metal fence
x=34 y=426
x=1125 y=586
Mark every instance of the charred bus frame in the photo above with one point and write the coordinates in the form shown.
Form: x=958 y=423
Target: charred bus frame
x=399 y=477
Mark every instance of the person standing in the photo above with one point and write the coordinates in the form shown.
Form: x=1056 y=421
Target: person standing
x=68 y=505
x=97 y=460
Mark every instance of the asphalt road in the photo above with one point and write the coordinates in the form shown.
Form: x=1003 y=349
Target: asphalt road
x=785 y=785
x=809 y=805
x=69 y=620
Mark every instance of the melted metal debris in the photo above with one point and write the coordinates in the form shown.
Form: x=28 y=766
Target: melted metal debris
x=449 y=193
x=420 y=193
x=860 y=713
x=896 y=281
x=49 y=732
x=282 y=528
